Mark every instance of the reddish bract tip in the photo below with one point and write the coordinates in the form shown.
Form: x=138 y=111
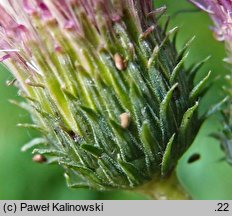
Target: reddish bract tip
x=5 y=57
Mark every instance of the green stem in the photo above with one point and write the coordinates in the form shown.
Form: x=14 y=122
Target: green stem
x=165 y=189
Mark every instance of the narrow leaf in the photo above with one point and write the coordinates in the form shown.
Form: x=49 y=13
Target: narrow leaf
x=133 y=175
x=196 y=67
x=197 y=89
x=51 y=152
x=148 y=141
x=183 y=131
x=95 y=151
x=82 y=170
x=33 y=143
x=187 y=117
x=185 y=47
x=167 y=156
x=75 y=185
x=164 y=111
x=90 y=113
x=178 y=68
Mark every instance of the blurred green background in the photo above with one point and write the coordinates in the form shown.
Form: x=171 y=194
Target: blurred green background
x=208 y=178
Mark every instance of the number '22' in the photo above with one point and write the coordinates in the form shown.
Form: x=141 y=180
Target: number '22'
x=223 y=207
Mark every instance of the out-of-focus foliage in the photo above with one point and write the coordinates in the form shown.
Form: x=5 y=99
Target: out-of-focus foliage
x=206 y=178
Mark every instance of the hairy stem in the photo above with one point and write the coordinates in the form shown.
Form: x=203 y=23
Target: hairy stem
x=166 y=189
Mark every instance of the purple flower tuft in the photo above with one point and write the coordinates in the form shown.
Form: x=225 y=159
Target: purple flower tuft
x=221 y=13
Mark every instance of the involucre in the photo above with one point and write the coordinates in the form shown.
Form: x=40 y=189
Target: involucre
x=105 y=86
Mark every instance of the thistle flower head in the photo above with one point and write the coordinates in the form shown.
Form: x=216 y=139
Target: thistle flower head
x=221 y=13
x=104 y=85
